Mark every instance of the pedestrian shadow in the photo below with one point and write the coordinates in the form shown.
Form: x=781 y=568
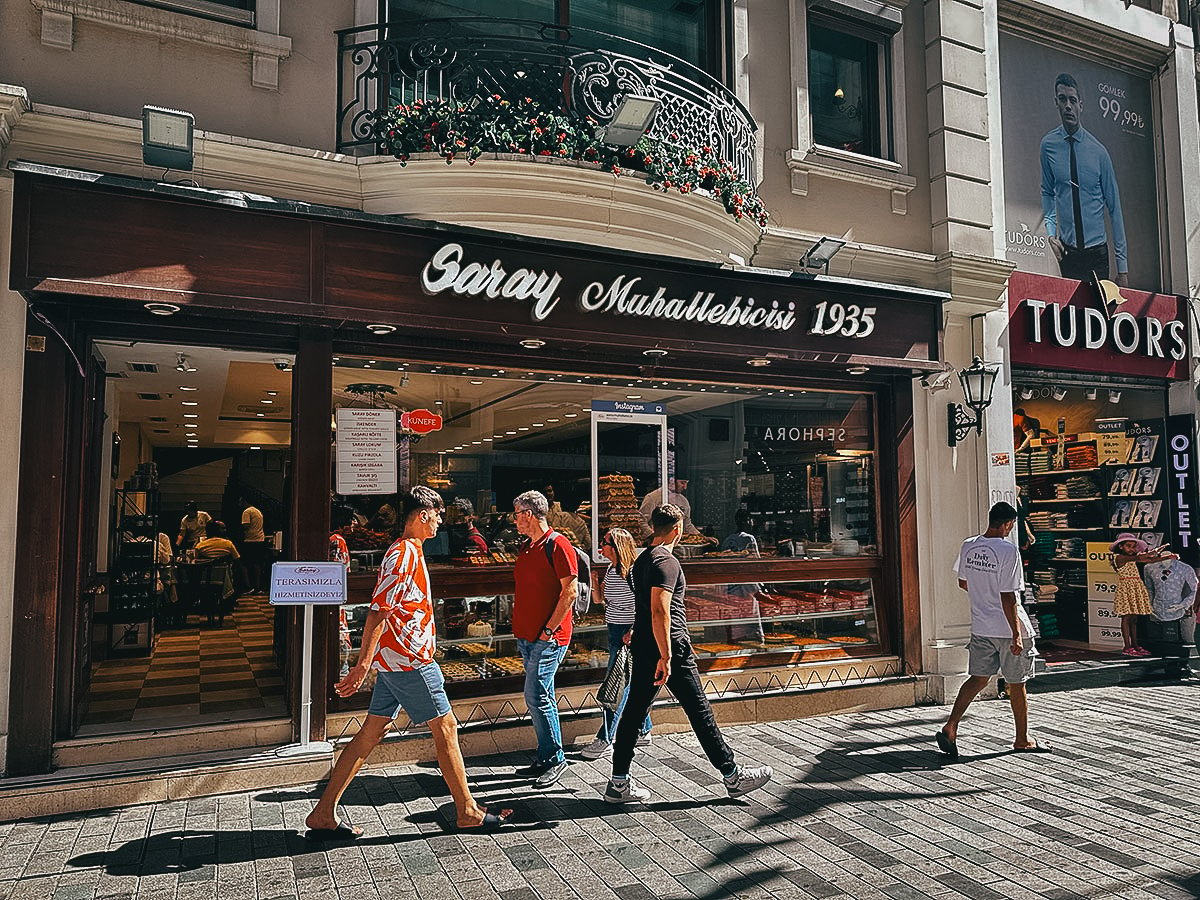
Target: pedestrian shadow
x=378 y=789
x=188 y=851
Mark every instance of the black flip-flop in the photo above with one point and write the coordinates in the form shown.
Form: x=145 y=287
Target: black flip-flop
x=947 y=746
x=1036 y=748
x=491 y=821
x=343 y=832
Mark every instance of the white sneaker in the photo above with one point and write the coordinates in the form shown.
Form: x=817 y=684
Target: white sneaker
x=747 y=780
x=595 y=749
x=627 y=792
x=644 y=739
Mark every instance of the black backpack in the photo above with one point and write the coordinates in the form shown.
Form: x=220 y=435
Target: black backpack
x=583 y=578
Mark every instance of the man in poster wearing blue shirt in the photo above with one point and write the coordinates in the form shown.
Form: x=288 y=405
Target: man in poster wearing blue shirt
x=1078 y=184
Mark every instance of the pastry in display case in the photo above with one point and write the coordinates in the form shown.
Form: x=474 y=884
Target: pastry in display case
x=618 y=506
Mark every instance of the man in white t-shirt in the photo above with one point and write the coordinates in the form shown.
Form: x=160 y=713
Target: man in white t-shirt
x=254 y=547
x=989 y=570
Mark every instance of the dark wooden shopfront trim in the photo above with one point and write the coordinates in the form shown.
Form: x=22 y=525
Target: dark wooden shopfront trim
x=262 y=278
x=39 y=566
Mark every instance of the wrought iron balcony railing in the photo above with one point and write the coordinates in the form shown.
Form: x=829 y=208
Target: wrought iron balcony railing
x=584 y=72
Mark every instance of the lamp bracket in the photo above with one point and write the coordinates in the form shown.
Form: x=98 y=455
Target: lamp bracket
x=959 y=423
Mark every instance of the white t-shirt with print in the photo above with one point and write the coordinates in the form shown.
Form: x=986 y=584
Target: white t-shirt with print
x=252 y=525
x=990 y=567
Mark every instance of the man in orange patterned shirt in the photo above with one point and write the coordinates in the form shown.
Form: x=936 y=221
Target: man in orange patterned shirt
x=398 y=641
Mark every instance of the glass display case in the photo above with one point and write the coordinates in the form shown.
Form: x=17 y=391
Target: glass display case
x=733 y=626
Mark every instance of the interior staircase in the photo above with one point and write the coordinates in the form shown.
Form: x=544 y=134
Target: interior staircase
x=204 y=483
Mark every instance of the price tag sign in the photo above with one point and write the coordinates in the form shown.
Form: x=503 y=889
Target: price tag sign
x=1105 y=635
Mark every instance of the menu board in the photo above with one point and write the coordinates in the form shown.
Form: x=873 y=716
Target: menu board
x=366 y=451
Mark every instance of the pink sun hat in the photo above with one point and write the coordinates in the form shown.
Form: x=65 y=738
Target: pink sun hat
x=1124 y=536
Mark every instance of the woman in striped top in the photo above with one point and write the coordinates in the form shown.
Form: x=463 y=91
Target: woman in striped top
x=616 y=592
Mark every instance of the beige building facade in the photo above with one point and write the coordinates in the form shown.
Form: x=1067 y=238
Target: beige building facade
x=916 y=190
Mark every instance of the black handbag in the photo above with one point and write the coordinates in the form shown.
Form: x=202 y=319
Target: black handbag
x=612 y=689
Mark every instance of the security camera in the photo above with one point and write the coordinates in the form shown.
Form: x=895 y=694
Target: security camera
x=282 y=364
x=938 y=382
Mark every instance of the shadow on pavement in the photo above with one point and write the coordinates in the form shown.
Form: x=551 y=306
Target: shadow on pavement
x=187 y=851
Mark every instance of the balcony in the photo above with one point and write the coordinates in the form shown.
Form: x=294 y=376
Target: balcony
x=582 y=72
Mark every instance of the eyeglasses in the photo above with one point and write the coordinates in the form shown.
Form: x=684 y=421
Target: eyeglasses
x=517 y=512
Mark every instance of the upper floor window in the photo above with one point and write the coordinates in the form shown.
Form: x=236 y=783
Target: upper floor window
x=849 y=88
x=684 y=28
x=239 y=12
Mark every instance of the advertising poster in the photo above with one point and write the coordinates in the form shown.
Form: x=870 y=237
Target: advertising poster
x=1098 y=118
x=366 y=451
x=1104 y=625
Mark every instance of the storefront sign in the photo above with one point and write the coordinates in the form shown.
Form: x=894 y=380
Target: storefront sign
x=1181 y=472
x=1141 y=334
x=366 y=451
x=629 y=406
x=420 y=421
x=294 y=584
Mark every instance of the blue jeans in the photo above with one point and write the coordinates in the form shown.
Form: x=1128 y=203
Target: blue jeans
x=542 y=659
x=608 y=728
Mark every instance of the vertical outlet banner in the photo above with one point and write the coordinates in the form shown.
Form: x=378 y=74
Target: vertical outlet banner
x=1181 y=486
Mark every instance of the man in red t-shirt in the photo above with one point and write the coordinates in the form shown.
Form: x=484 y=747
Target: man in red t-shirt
x=541 y=623
x=398 y=642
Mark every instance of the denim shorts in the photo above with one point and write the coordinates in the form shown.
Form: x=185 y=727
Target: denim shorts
x=419 y=692
x=988 y=656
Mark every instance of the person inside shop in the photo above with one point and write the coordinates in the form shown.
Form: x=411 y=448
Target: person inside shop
x=384 y=519
x=543 y=600
x=675 y=489
x=1132 y=599
x=989 y=570
x=568 y=524
x=741 y=540
x=216 y=546
x=193 y=527
x=616 y=593
x=253 y=547
x=1026 y=429
x=465 y=537
x=398 y=642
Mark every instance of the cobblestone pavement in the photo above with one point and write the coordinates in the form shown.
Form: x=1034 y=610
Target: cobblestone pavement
x=862 y=807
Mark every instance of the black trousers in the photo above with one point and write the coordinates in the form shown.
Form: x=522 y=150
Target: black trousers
x=685 y=684
x=1080 y=264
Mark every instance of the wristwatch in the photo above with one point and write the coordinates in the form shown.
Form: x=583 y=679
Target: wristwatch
x=548 y=633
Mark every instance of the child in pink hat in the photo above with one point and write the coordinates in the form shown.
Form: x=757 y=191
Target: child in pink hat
x=1132 y=598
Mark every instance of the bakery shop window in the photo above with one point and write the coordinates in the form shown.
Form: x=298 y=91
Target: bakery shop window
x=761 y=473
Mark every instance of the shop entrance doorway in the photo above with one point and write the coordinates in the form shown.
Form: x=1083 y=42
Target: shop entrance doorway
x=192 y=492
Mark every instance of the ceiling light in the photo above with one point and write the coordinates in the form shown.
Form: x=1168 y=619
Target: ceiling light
x=272 y=393
x=1114 y=396
x=552 y=420
x=189 y=402
x=188 y=387
x=858 y=370
x=1090 y=393
x=161 y=309
x=191 y=434
x=633 y=396
x=477 y=442
x=510 y=432
x=380 y=328
x=533 y=343
x=523 y=428
x=437 y=402
x=260 y=415
x=191 y=415
x=758 y=362
x=538 y=425
x=476 y=382
x=654 y=353
x=266 y=400
x=570 y=415
x=256 y=448
x=487 y=440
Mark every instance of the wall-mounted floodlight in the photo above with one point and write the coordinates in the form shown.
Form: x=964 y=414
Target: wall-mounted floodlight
x=167 y=138
x=631 y=121
x=819 y=254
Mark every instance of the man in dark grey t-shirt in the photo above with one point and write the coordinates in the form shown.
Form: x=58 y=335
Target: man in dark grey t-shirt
x=662 y=654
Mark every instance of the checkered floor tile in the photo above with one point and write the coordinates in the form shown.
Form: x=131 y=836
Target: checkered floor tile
x=195 y=675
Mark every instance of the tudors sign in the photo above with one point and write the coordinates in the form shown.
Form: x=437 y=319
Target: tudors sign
x=1065 y=324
